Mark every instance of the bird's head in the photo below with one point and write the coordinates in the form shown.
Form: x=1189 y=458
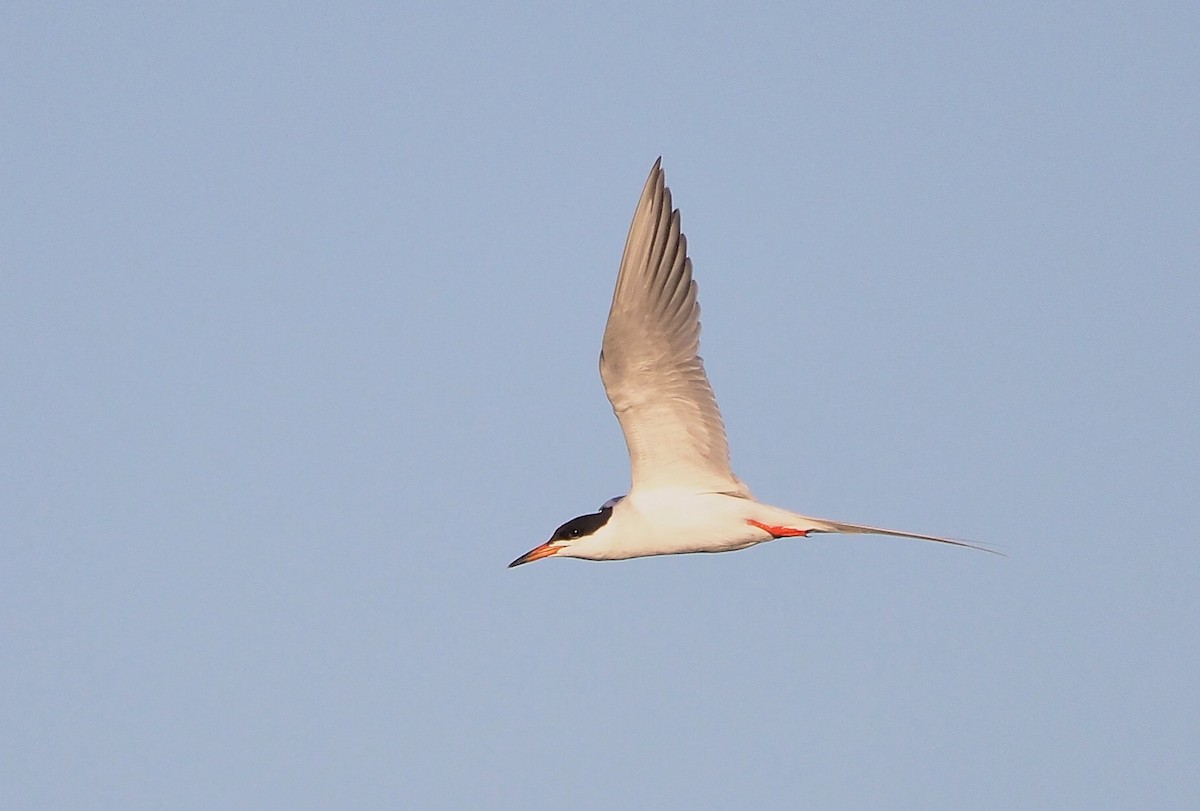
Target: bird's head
x=580 y=537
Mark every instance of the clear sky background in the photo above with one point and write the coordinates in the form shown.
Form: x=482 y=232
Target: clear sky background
x=300 y=318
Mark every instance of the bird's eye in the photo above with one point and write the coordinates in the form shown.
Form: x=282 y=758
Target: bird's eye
x=573 y=533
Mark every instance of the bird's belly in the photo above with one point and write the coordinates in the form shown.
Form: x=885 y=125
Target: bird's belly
x=674 y=526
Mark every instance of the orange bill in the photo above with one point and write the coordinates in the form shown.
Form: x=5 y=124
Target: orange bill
x=544 y=551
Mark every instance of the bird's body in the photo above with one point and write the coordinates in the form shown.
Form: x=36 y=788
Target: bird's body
x=669 y=522
x=684 y=497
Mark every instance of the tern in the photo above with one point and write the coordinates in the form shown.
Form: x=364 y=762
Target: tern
x=684 y=496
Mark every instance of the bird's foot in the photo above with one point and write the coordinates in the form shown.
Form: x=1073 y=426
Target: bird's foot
x=779 y=531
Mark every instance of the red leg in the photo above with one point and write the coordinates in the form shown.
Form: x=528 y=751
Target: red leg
x=779 y=532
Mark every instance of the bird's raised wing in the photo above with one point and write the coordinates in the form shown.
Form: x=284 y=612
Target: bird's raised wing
x=652 y=373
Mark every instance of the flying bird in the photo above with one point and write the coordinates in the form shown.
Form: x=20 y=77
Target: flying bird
x=684 y=496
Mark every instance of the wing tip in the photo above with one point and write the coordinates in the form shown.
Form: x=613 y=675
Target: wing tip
x=656 y=174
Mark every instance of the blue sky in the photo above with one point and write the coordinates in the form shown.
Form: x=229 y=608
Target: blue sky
x=300 y=320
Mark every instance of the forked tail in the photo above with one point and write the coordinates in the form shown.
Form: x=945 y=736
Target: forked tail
x=823 y=525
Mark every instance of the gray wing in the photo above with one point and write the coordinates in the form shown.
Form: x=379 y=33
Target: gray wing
x=652 y=373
